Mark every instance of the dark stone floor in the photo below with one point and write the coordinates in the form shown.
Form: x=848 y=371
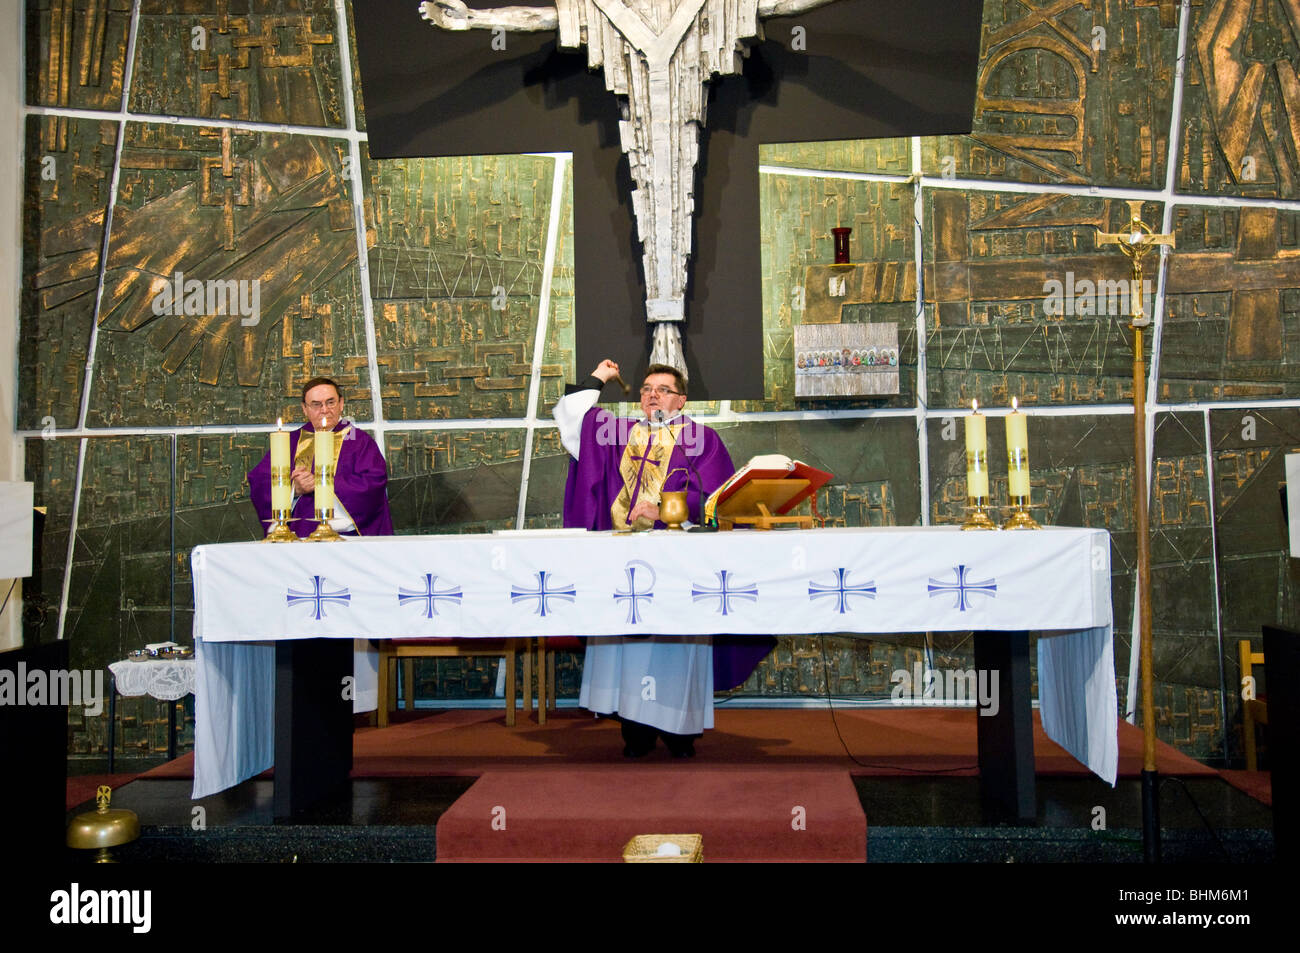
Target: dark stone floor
x=1078 y=820
x=921 y=819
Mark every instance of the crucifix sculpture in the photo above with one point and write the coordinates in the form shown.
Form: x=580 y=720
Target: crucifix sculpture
x=658 y=54
x=665 y=208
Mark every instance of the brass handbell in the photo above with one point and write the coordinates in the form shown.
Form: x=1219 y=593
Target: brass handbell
x=103 y=828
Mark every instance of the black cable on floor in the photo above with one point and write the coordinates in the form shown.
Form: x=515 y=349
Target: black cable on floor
x=1199 y=813
x=830 y=703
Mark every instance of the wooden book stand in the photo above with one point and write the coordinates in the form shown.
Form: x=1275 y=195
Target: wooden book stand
x=758 y=502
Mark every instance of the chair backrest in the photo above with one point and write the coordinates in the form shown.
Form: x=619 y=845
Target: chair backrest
x=1248 y=659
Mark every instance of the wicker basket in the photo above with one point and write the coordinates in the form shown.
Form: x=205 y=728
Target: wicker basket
x=645 y=849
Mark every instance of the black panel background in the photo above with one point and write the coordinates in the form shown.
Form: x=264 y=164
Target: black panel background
x=870 y=69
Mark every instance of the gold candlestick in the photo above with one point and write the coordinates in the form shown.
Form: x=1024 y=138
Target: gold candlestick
x=977 y=514
x=324 y=532
x=279 y=531
x=1020 y=518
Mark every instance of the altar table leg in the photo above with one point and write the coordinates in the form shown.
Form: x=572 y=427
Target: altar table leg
x=1006 y=739
x=313 y=722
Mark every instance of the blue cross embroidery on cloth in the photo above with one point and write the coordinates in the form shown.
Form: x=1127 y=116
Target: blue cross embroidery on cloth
x=541 y=594
x=723 y=594
x=430 y=596
x=631 y=596
x=842 y=590
x=964 y=588
x=319 y=596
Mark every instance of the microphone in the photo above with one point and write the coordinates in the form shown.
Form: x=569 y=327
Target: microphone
x=690 y=472
x=658 y=416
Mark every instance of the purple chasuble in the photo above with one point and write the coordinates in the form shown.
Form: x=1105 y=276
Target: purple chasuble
x=360 y=484
x=595 y=482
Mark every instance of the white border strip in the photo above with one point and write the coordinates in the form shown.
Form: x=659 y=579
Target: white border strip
x=359 y=226
x=543 y=319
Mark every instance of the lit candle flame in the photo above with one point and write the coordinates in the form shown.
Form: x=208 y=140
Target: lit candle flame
x=279 y=423
x=1014 y=405
x=975 y=406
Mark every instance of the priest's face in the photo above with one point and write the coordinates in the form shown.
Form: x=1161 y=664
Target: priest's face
x=659 y=392
x=323 y=407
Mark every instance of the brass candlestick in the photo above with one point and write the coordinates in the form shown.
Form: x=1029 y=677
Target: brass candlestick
x=1020 y=518
x=324 y=532
x=279 y=531
x=977 y=514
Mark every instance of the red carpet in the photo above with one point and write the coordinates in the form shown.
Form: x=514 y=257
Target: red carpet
x=1258 y=784
x=82 y=788
x=888 y=741
x=586 y=814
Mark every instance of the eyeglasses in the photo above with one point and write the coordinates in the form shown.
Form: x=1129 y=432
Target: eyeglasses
x=660 y=391
x=324 y=405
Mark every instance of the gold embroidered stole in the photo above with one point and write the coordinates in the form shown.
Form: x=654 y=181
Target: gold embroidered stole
x=306 y=457
x=644 y=468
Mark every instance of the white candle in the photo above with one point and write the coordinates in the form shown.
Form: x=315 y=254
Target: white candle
x=1017 y=452
x=977 y=446
x=324 y=448
x=281 y=490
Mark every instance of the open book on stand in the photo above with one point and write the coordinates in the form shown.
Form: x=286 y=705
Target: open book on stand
x=768 y=486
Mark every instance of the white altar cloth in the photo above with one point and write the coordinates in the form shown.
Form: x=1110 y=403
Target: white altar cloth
x=572 y=582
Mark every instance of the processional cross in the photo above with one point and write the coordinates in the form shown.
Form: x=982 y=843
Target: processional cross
x=1136 y=242
x=658 y=54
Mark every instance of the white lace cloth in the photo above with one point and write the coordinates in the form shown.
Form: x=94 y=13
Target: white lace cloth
x=164 y=679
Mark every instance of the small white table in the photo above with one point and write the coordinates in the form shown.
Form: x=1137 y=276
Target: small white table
x=164 y=679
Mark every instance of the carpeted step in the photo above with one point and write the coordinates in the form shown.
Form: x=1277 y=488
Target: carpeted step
x=587 y=814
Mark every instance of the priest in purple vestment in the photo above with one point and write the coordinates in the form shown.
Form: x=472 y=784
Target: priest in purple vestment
x=360 y=473
x=657 y=685
x=360 y=499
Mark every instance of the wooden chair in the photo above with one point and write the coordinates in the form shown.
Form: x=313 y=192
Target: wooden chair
x=546 y=670
x=1254 y=711
x=407 y=650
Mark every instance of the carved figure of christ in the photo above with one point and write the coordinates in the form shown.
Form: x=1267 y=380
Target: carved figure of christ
x=658 y=54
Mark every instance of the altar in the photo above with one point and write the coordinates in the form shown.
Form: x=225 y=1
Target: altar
x=540 y=583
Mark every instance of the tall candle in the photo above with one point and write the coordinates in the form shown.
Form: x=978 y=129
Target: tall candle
x=1017 y=452
x=324 y=447
x=281 y=489
x=977 y=448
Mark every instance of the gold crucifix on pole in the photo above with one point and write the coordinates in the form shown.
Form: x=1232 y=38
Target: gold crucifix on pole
x=1136 y=242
